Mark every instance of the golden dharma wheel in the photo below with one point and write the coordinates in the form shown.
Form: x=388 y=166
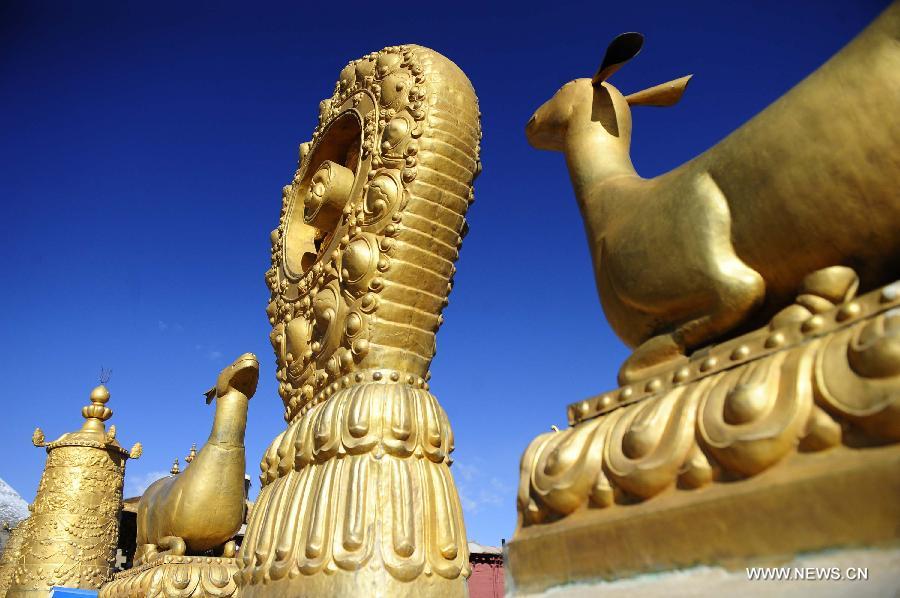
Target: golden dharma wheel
x=362 y=259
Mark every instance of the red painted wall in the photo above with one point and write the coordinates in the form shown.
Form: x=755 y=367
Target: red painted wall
x=486 y=580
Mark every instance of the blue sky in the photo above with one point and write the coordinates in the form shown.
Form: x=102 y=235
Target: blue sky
x=142 y=154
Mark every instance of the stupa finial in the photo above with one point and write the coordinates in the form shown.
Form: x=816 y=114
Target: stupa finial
x=191 y=455
x=97 y=409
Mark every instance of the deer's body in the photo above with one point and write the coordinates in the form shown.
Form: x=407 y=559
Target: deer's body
x=810 y=182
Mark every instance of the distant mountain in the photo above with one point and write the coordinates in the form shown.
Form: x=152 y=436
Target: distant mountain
x=13 y=508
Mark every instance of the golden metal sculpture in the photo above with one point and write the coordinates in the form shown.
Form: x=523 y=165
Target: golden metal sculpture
x=723 y=241
x=357 y=496
x=70 y=538
x=793 y=426
x=183 y=518
x=202 y=508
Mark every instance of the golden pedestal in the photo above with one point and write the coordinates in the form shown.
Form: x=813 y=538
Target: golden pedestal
x=176 y=577
x=370 y=506
x=777 y=442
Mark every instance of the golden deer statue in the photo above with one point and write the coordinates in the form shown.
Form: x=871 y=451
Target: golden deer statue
x=724 y=240
x=202 y=508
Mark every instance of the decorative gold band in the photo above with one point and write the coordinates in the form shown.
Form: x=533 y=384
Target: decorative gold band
x=749 y=347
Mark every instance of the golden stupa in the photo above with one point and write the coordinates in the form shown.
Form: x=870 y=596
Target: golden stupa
x=70 y=538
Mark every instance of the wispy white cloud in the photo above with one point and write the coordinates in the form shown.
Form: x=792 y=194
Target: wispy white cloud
x=477 y=490
x=464 y=472
x=136 y=484
x=211 y=352
x=166 y=326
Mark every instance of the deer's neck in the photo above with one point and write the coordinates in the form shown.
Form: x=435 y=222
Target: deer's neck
x=230 y=420
x=593 y=157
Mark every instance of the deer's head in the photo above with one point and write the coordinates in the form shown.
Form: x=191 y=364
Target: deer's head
x=582 y=104
x=242 y=376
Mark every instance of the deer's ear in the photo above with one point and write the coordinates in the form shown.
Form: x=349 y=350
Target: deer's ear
x=664 y=94
x=620 y=50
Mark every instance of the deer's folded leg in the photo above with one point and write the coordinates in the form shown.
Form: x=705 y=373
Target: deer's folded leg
x=144 y=554
x=655 y=356
x=172 y=545
x=228 y=549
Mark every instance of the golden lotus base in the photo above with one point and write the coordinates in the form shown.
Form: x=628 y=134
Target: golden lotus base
x=176 y=576
x=372 y=582
x=837 y=498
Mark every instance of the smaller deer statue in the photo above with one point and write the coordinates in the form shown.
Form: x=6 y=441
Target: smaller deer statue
x=726 y=239
x=202 y=508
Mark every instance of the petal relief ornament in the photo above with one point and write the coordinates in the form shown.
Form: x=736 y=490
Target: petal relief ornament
x=650 y=442
x=858 y=375
x=754 y=416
